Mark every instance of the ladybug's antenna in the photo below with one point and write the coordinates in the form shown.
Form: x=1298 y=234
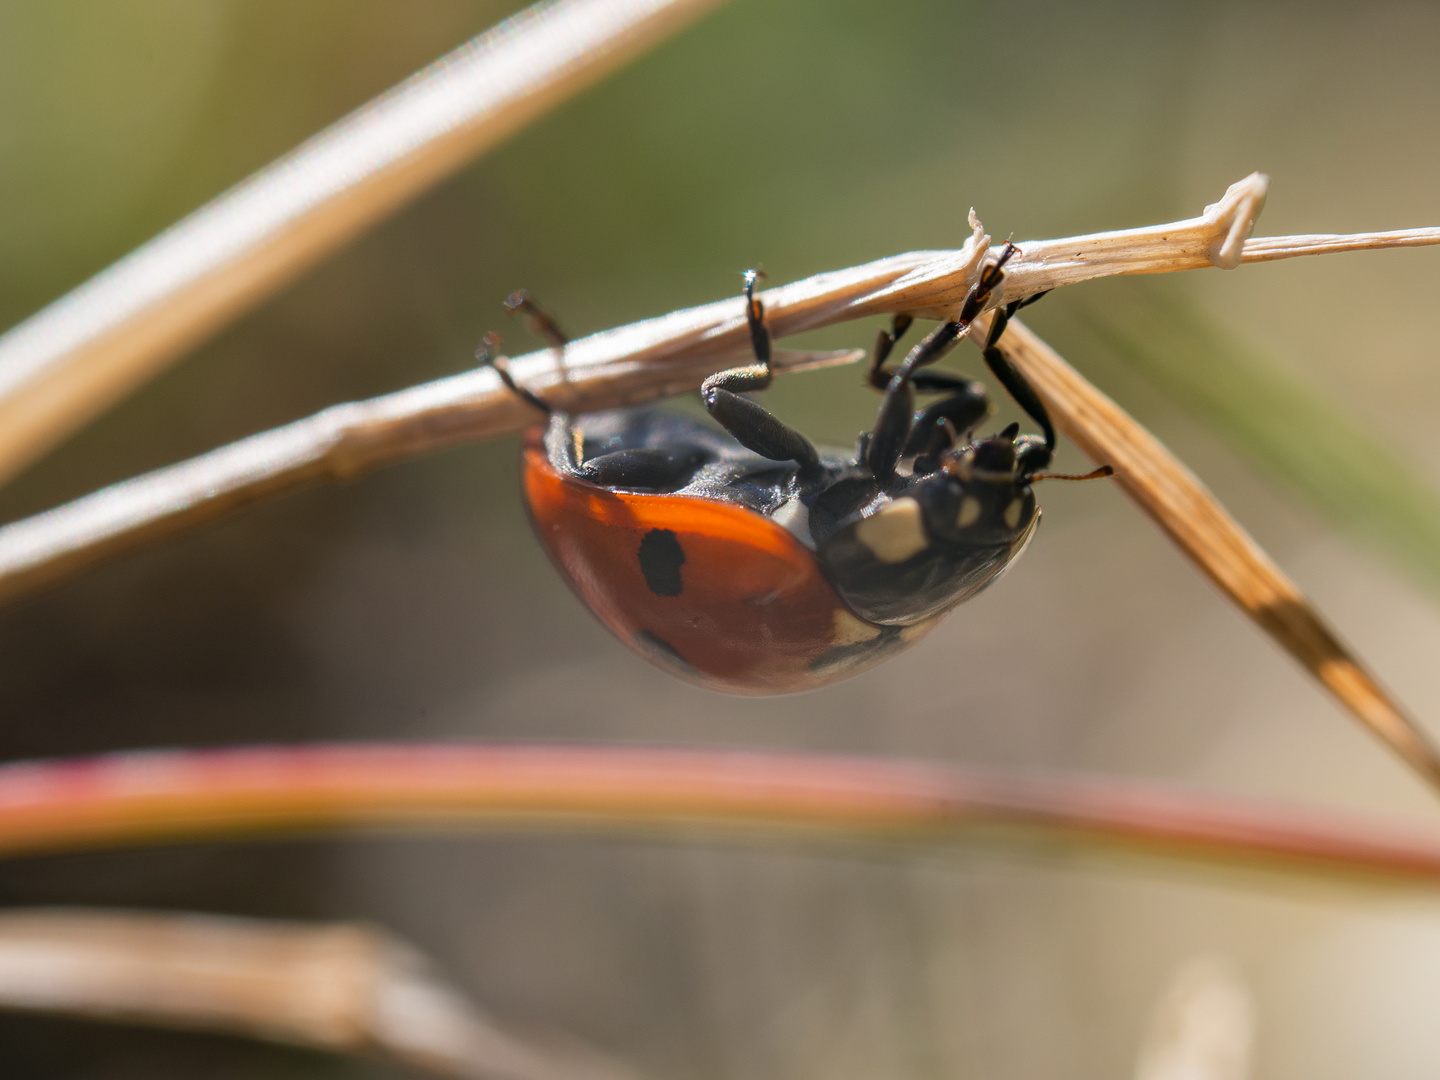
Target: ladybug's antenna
x=1095 y=474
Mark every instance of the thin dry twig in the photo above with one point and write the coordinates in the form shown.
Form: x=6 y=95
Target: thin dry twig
x=189 y=795
x=78 y=356
x=1192 y=517
x=344 y=988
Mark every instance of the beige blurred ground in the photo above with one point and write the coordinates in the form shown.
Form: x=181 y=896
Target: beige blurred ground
x=795 y=135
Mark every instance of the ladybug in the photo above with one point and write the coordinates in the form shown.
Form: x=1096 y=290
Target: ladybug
x=748 y=561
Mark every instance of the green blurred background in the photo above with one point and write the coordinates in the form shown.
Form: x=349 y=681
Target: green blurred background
x=798 y=136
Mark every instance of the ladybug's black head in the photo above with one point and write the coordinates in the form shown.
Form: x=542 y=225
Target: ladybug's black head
x=939 y=536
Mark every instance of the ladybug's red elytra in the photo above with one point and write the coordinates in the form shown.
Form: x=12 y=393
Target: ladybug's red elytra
x=749 y=562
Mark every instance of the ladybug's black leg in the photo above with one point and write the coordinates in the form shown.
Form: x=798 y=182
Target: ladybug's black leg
x=878 y=375
x=893 y=425
x=751 y=424
x=1019 y=388
x=897 y=411
x=540 y=324
x=645 y=468
x=936 y=428
x=640 y=468
x=486 y=356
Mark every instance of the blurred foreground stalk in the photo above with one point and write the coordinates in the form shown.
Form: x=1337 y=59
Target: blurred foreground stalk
x=187 y=796
x=347 y=989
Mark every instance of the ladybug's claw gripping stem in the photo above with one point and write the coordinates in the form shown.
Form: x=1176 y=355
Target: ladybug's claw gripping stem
x=755 y=318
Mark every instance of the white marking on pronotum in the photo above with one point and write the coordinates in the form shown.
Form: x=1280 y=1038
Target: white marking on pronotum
x=969 y=512
x=794 y=517
x=852 y=631
x=1012 y=512
x=895 y=533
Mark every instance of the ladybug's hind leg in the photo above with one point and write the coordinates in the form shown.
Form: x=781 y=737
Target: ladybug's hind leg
x=661 y=468
x=646 y=468
x=752 y=425
x=486 y=356
x=537 y=319
x=540 y=324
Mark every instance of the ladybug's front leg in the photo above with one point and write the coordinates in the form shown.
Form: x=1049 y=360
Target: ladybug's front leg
x=752 y=425
x=1019 y=387
x=936 y=428
x=894 y=422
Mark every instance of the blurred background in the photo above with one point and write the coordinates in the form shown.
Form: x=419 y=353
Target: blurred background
x=797 y=136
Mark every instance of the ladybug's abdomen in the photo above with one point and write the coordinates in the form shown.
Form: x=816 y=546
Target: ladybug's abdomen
x=711 y=591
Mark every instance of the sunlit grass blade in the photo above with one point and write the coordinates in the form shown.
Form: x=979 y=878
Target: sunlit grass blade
x=1279 y=422
x=1182 y=506
x=186 y=796
x=74 y=359
x=346 y=989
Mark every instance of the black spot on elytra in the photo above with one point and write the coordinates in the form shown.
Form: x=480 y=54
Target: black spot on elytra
x=661 y=557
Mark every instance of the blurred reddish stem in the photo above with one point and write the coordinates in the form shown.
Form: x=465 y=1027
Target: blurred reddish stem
x=183 y=795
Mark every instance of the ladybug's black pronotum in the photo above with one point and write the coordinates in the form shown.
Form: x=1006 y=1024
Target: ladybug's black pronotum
x=747 y=560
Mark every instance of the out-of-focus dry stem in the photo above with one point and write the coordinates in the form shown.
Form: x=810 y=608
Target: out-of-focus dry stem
x=348 y=989
x=172 y=796
x=67 y=363
x=1184 y=508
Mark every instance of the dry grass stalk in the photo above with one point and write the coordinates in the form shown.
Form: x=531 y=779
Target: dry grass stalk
x=174 y=796
x=1184 y=508
x=75 y=358
x=639 y=362
x=348 y=989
